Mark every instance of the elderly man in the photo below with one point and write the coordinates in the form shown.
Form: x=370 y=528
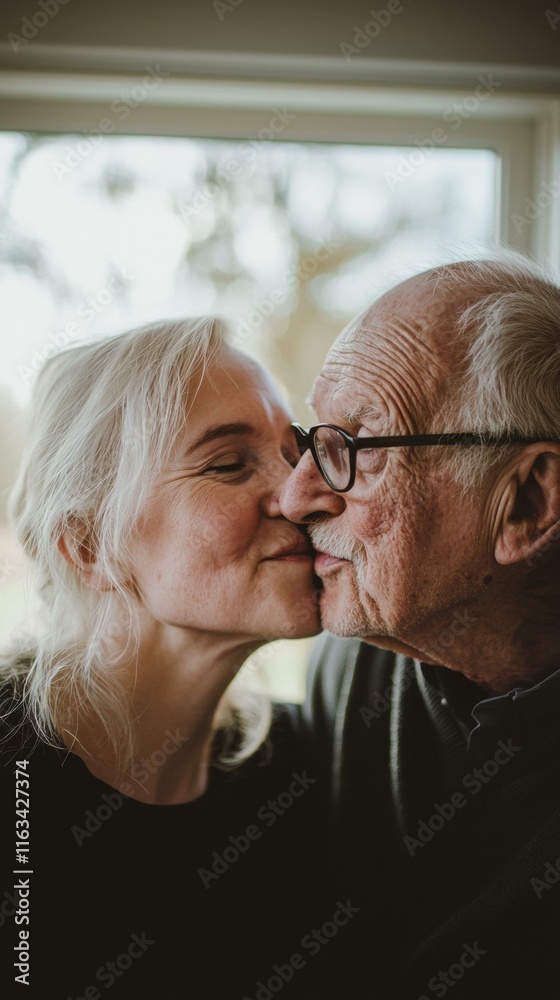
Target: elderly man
x=433 y=500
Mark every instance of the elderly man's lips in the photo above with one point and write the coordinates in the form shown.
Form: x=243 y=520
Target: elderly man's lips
x=325 y=563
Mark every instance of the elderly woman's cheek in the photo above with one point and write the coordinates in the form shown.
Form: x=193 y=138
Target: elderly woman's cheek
x=225 y=523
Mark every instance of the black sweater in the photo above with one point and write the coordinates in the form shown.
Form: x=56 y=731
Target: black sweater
x=195 y=901
x=446 y=809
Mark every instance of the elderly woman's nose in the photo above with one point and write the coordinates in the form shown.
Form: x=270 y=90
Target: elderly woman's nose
x=277 y=473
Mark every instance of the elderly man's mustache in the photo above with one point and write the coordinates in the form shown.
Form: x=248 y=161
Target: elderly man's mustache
x=340 y=545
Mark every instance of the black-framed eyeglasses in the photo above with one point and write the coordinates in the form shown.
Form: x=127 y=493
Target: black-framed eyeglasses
x=334 y=450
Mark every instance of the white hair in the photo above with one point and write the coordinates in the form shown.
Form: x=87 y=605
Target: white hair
x=102 y=423
x=511 y=379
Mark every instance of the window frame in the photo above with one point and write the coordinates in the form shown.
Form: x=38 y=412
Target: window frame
x=522 y=129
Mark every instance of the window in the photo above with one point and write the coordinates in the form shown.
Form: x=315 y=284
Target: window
x=288 y=224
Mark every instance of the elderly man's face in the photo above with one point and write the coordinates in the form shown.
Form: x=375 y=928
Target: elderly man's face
x=403 y=549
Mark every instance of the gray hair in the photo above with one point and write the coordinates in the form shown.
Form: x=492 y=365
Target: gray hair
x=103 y=421
x=511 y=378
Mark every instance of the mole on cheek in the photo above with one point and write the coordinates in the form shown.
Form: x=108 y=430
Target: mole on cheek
x=488 y=579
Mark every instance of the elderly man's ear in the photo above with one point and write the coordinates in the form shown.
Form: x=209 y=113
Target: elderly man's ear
x=530 y=520
x=77 y=546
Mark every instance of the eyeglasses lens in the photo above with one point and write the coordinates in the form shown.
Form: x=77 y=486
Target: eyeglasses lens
x=334 y=456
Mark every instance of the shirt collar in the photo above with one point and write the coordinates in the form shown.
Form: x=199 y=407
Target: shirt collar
x=483 y=718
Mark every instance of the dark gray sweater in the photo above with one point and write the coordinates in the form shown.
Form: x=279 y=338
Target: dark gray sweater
x=446 y=811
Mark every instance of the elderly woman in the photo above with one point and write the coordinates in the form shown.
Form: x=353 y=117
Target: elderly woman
x=147 y=503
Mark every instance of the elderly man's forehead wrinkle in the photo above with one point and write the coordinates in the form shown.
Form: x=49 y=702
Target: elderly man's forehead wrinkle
x=394 y=361
x=406 y=397
x=399 y=334
x=345 y=352
x=393 y=335
x=355 y=399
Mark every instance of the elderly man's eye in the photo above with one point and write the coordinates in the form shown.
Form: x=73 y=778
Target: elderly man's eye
x=370 y=460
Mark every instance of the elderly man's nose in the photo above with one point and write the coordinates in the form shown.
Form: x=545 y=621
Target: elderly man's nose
x=305 y=493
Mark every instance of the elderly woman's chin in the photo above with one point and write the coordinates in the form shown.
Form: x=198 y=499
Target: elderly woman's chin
x=294 y=594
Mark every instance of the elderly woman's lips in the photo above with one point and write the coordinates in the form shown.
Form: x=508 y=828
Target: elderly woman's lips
x=289 y=552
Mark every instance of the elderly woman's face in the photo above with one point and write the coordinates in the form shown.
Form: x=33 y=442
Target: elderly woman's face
x=214 y=552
